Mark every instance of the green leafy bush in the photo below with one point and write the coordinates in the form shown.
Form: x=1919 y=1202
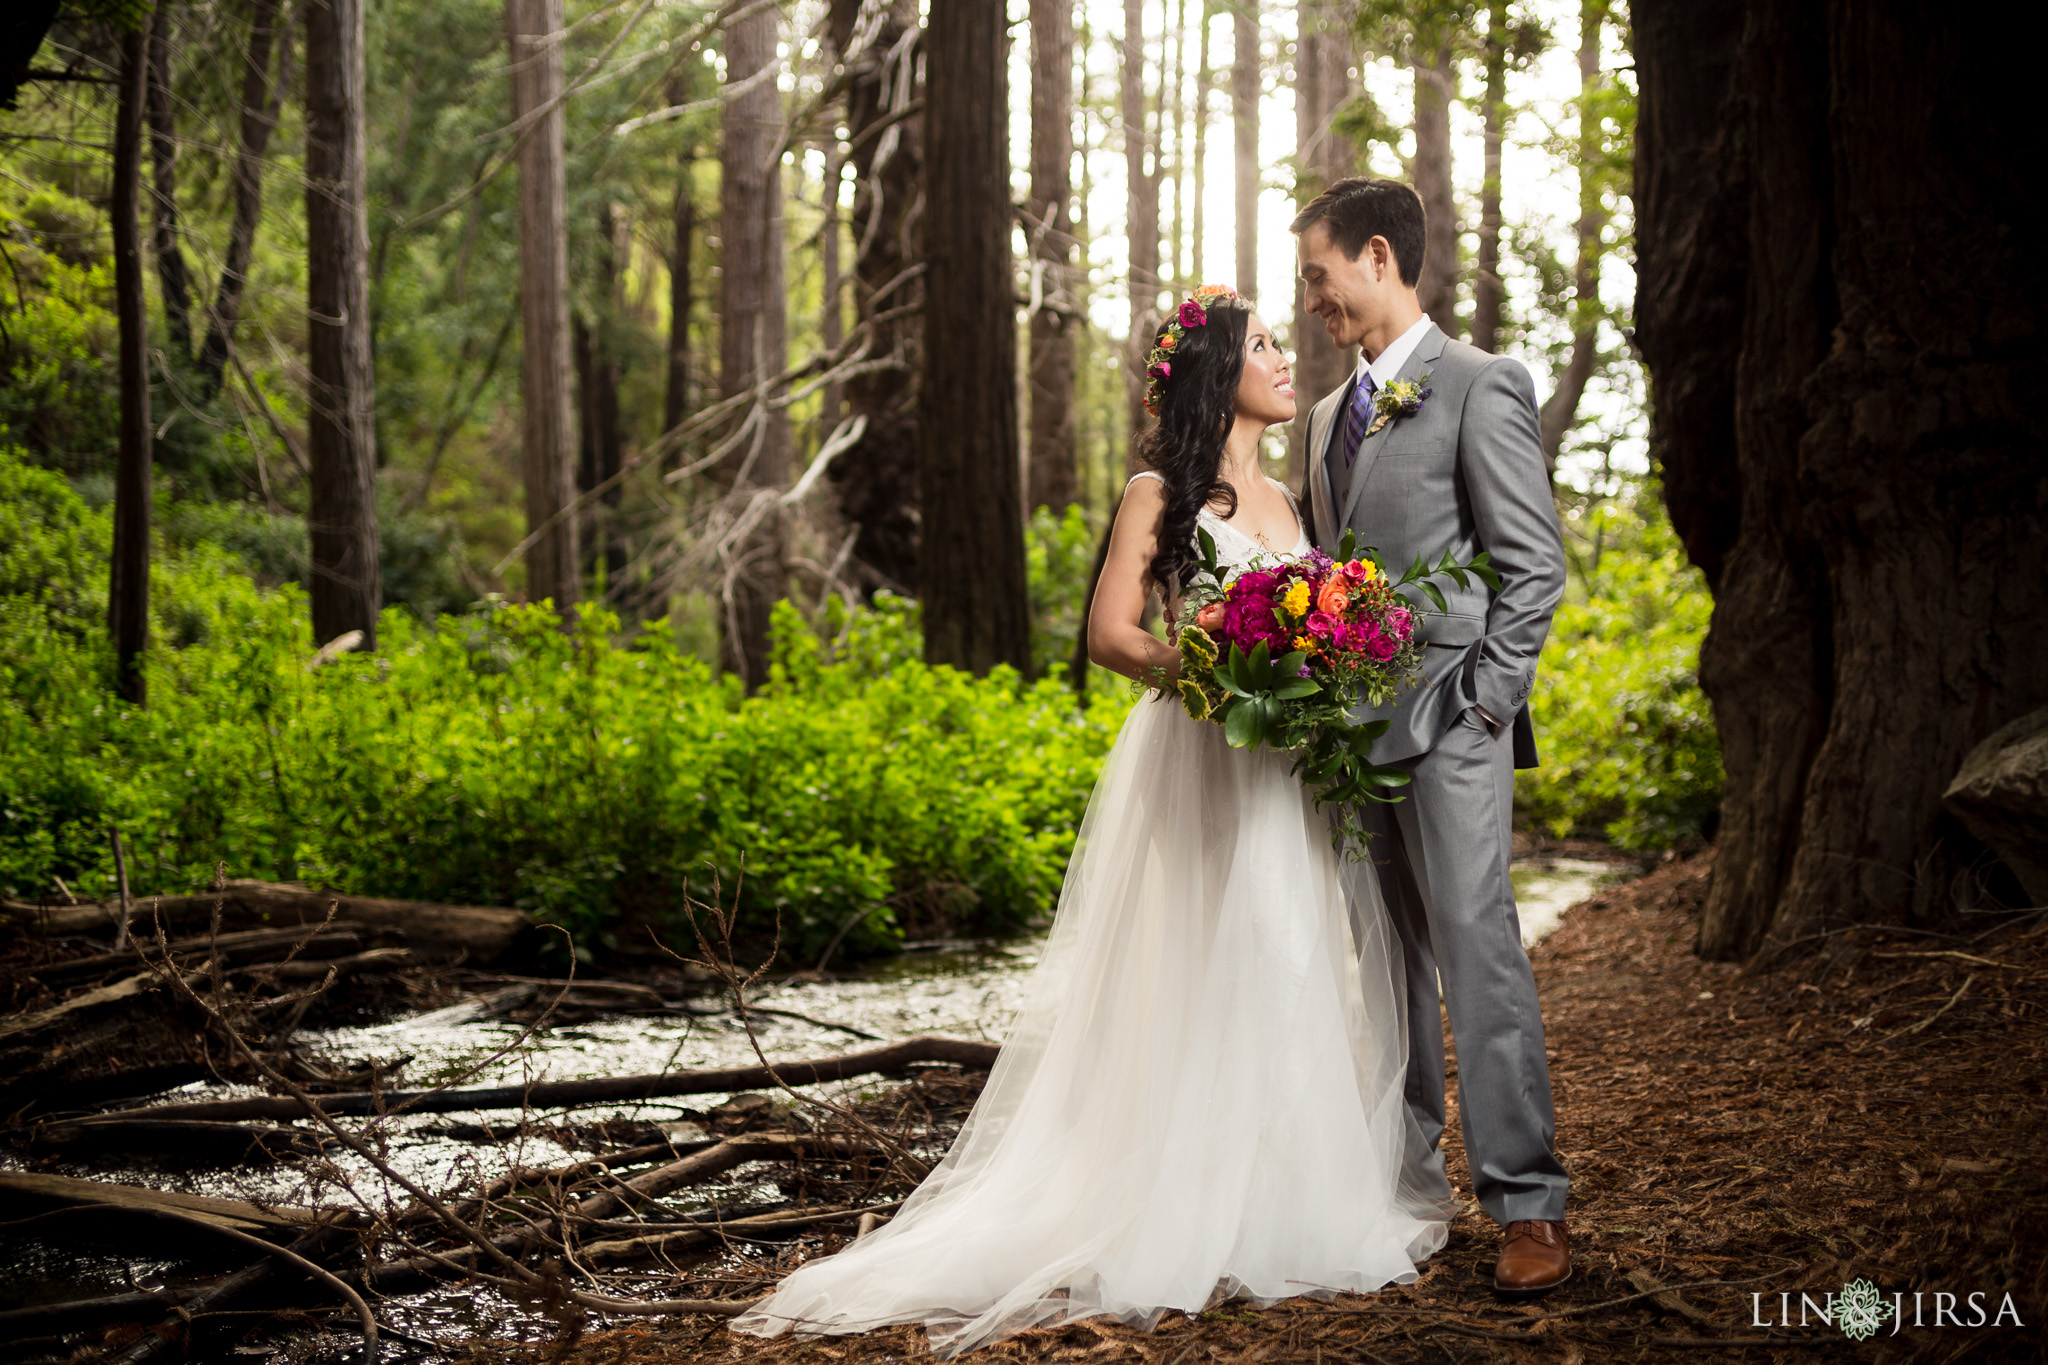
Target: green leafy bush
x=497 y=758
x=1626 y=736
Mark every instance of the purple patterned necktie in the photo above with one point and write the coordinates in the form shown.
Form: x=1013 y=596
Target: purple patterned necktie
x=1359 y=418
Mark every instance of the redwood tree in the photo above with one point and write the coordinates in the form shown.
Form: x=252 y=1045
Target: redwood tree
x=1842 y=311
x=1244 y=121
x=971 y=564
x=341 y=441
x=1322 y=86
x=128 y=585
x=1051 y=232
x=259 y=106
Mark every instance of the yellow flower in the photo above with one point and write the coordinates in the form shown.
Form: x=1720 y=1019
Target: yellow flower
x=1305 y=643
x=1296 y=599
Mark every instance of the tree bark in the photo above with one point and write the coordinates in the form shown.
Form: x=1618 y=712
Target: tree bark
x=1561 y=409
x=1205 y=77
x=753 y=329
x=259 y=117
x=1488 y=293
x=876 y=478
x=676 y=400
x=173 y=276
x=547 y=431
x=1141 y=195
x=1322 y=85
x=971 y=563
x=1244 y=118
x=1436 y=85
x=341 y=447
x=1886 y=426
x=1050 y=224
x=600 y=438
x=128 y=586
x=832 y=321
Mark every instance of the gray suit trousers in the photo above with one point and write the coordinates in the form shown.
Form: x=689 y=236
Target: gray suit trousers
x=1443 y=870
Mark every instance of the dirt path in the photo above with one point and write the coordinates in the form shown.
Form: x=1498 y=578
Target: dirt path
x=1876 y=1113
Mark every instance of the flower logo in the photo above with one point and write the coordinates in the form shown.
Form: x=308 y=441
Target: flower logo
x=1860 y=1310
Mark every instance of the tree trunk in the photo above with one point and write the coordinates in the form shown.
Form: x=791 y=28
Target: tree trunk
x=547 y=430
x=259 y=117
x=1051 y=227
x=676 y=401
x=1488 y=293
x=876 y=478
x=128 y=585
x=753 y=334
x=1436 y=85
x=832 y=322
x=1244 y=117
x=173 y=277
x=1562 y=407
x=341 y=446
x=971 y=564
x=1322 y=86
x=1886 y=434
x=597 y=385
x=1141 y=196
x=1204 y=78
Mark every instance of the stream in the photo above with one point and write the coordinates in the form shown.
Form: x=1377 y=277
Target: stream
x=963 y=990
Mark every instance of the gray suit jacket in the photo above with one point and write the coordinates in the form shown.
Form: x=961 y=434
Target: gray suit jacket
x=1465 y=472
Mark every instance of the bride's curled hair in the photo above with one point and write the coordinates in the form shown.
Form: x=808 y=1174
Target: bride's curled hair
x=1197 y=407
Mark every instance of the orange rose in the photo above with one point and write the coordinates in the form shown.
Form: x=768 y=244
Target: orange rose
x=1168 y=342
x=1210 y=617
x=1334 y=597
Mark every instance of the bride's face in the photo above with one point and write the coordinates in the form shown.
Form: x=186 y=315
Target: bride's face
x=1266 y=392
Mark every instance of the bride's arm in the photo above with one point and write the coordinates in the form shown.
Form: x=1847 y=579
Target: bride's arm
x=1117 y=639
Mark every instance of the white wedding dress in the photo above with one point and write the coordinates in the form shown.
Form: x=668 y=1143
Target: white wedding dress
x=1202 y=1091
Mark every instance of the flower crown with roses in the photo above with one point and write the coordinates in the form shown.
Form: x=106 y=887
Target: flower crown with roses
x=1193 y=312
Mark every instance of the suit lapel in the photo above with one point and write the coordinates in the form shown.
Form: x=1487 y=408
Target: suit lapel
x=1426 y=353
x=1322 y=420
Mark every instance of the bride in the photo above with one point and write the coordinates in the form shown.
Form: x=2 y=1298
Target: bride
x=1202 y=1093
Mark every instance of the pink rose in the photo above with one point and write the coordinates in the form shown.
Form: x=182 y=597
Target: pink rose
x=1159 y=369
x=1401 y=622
x=1191 y=314
x=1322 y=625
x=1210 y=617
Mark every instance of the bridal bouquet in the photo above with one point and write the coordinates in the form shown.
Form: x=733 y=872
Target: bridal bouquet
x=1279 y=657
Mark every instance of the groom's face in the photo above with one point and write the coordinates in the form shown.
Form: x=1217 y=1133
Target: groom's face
x=1344 y=292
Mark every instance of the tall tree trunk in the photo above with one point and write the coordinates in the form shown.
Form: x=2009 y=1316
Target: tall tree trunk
x=1488 y=293
x=676 y=400
x=341 y=445
x=832 y=324
x=876 y=478
x=1244 y=117
x=1051 y=227
x=547 y=424
x=753 y=340
x=972 y=557
x=1561 y=409
x=597 y=384
x=128 y=585
x=1322 y=86
x=1141 y=197
x=173 y=277
x=1173 y=132
x=1436 y=77
x=1885 y=433
x=259 y=116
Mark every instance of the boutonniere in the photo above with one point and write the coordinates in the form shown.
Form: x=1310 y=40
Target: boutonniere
x=1400 y=398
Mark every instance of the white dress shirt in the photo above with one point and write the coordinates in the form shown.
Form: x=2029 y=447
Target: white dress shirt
x=1388 y=363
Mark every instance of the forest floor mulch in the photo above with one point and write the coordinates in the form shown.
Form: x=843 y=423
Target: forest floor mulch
x=1740 y=1146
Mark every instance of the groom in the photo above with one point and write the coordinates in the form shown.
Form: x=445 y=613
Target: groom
x=1464 y=470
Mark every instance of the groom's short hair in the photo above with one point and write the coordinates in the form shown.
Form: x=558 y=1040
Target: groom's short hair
x=1356 y=210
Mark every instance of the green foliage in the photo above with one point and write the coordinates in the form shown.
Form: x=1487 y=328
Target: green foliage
x=1626 y=736
x=496 y=758
x=1059 y=551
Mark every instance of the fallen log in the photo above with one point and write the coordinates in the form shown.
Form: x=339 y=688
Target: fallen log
x=63 y=1191
x=482 y=933
x=219 y=1143
x=73 y=1314
x=232 y=950
x=605 y=1090
x=660 y=1239
x=109 y=1029
x=316 y=969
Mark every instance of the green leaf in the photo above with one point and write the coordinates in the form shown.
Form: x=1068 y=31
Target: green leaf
x=1287 y=665
x=1208 y=544
x=1347 y=545
x=1435 y=595
x=1295 y=688
x=1241 y=723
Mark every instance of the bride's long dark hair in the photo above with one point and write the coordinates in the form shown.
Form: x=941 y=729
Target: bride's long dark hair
x=1197 y=408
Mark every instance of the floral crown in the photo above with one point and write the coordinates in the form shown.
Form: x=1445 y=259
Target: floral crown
x=1193 y=312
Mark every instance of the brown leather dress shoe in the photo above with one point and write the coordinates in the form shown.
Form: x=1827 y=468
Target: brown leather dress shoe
x=1533 y=1258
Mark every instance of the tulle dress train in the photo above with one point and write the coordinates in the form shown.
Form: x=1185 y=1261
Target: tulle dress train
x=1202 y=1091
